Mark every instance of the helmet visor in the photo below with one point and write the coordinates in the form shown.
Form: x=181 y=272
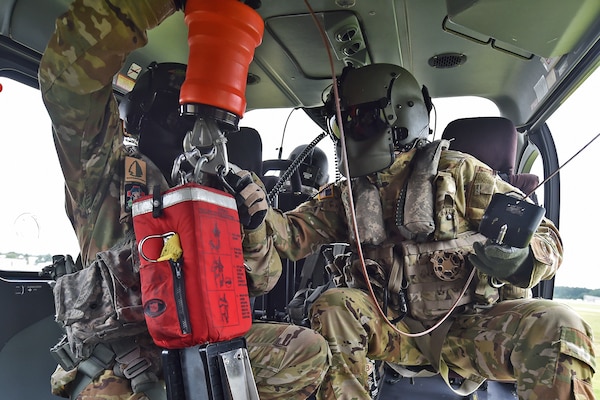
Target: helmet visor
x=363 y=121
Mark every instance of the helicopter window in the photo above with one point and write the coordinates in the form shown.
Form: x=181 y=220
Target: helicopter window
x=33 y=222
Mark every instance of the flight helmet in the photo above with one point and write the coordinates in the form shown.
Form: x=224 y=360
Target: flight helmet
x=151 y=113
x=383 y=111
x=314 y=168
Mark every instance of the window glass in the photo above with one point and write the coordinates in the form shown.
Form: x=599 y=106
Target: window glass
x=537 y=168
x=448 y=109
x=33 y=222
x=282 y=130
x=573 y=125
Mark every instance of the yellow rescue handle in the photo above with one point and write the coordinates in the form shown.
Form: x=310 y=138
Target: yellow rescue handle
x=171 y=249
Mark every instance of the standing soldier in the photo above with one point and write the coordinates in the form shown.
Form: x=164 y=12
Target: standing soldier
x=90 y=45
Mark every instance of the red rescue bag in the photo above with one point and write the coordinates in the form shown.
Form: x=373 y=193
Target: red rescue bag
x=197 y=295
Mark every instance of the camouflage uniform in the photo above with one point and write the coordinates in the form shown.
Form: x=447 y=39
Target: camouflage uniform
x=87 y=49
x=541 y=344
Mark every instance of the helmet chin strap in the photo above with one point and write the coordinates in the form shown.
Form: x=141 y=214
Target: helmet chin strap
x=417 y=143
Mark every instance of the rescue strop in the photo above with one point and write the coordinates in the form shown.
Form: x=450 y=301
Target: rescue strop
x=194 y=288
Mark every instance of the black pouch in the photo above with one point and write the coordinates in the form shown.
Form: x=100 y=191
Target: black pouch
x=510 y=221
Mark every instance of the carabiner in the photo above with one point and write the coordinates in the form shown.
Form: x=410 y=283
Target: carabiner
x=164 y=237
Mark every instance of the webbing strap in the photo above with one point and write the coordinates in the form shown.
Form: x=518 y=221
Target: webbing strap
x=467 y=386
x=64 y=356
x=431 y=347
x=89 y=369
x=101 y=359
x=127 y=354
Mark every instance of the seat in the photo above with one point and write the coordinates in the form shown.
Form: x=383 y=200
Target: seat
x=492 y=140
x=287 y=198
x=310 y=173
x=244 y=149
x=288 y=194
x=273 y=305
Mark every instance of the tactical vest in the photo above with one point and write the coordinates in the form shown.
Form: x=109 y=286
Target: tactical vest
x=421 y=278
x=424 y=275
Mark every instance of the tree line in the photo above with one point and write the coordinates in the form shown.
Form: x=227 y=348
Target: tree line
x=564 y=292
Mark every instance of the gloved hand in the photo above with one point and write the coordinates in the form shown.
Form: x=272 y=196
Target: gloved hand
x=498 y=261
x=251 y=199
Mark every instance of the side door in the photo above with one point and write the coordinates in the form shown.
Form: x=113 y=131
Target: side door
x=33 y=228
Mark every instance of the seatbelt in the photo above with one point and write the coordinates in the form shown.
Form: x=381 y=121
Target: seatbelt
x=431 y=347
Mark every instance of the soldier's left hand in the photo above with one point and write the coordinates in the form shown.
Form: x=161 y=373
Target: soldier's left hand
x=497 y=260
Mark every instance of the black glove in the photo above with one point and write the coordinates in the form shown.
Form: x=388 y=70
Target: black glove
x=498 y=261
x=250 y=198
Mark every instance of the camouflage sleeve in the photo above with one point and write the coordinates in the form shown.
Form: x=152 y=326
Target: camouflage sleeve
x=85 y=52
x=300 y=232
x=263 y=264
x=480 y=183
x=87 y=49
x=292 y=235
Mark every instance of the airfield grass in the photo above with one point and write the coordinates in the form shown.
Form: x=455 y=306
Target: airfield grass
x=590 y=312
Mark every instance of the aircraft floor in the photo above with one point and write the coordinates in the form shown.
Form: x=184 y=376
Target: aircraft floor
x=394 y=387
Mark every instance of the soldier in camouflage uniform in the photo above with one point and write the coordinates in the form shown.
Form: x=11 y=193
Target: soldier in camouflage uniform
x=501 y=333
x=76 y=73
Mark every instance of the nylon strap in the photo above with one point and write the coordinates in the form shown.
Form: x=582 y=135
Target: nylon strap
x=431 y=347
x=126 y=353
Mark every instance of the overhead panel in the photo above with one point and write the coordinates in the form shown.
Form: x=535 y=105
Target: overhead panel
x=300 y=38
x=546 y=28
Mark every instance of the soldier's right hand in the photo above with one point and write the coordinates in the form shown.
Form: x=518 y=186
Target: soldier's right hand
x=251 y=199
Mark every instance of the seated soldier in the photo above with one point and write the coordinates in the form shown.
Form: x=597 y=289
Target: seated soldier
x=497 y=331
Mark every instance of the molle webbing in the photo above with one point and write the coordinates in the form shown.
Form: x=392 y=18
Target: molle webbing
x=418 y=216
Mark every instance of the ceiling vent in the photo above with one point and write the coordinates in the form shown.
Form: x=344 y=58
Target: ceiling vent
x=346 y=38
x=447 y=60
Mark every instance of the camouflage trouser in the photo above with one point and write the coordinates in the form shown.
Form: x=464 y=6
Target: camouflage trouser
x=542 y=345
x=287 y=361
